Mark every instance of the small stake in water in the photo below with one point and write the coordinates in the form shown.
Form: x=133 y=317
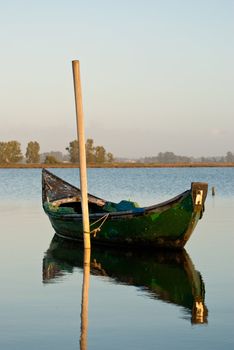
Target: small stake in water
x=82 y=153
x=213 y=191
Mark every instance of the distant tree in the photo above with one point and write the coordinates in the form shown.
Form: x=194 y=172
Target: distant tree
x=3 y=152
x=93 y=154
x=10 y=152
x=170 y=157
x=90 y=151
x=32 y=152
x=183 y=159
x=51 y=160
x=100 y=154
x=109 y=157
x=56 y=154
x=229 y=157
x=167 y=157
x=222 y=159
x=73 y=151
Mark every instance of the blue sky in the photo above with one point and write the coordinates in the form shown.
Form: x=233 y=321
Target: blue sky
x=156 y=75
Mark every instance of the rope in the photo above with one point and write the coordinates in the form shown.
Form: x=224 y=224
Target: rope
x=98 y=229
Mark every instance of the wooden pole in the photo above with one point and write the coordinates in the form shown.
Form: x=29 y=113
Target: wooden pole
x=82 y=153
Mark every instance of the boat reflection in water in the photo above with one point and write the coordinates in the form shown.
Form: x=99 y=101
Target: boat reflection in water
x=169 y=276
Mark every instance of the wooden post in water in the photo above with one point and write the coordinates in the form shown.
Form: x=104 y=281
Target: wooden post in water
x=82 y=153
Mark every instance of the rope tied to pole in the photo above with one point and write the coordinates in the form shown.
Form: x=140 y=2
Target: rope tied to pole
x=98 y=229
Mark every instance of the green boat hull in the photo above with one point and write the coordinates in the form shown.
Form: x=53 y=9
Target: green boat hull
x=169 y=224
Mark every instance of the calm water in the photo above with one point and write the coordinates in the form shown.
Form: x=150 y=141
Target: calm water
x=136 y=301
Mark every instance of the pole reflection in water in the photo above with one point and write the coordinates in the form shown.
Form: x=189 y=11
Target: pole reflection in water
x=85 y=300
x=169 y=276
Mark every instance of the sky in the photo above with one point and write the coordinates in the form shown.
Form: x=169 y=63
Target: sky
x=157 y=75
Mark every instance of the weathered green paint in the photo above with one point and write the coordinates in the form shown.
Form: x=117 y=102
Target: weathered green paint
x=165 y=228
x=168 y=224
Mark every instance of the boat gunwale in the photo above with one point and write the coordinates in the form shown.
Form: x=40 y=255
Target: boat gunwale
x=160 y=207
x=155 y=208
x=141 y=211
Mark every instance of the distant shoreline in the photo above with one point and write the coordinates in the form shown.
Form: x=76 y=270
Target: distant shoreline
x=121 y=165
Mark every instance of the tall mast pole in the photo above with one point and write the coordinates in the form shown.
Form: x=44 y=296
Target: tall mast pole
x=82 y=152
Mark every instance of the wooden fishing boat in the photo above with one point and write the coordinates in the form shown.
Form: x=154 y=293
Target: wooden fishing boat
x=169 y=276
x=168 y=224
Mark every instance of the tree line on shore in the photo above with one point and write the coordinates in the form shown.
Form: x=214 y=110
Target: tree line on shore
x=10 y=152
x=170 y=157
